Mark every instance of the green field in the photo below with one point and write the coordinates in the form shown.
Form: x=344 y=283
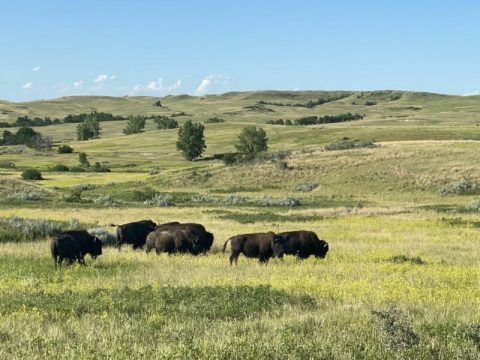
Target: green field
x=401 y=279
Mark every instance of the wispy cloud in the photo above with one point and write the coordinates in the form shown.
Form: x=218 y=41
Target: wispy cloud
x=27 y=85
x=473 y=93
x=77 y=84
x=36 y=68
x=210 y=80
x=102 y=78
x=157 y=86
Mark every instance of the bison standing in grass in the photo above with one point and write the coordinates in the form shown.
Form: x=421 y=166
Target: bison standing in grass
x=259 y=245
x=304 y=244
x=134 y=233
x=179 y=238
x=73 y=245
x=200 y=239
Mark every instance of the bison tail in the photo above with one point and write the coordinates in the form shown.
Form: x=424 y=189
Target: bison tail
x=225 y=245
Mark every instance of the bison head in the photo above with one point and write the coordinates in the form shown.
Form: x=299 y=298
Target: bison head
x=322 y=249
x=97 y=247
x=278 y=246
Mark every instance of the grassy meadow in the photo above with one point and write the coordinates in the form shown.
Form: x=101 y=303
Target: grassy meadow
x=401 y=279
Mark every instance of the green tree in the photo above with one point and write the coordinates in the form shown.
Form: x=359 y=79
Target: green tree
x=135 y=125
x=82 y=158
x=89 y=128
x=251 y=141
x=191 y=141
x=164 y=122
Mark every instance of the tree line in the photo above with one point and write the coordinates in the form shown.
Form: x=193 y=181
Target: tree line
x=310 y=104
x=315 y=120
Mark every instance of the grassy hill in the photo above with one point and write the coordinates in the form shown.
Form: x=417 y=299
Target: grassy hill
x=401 y=219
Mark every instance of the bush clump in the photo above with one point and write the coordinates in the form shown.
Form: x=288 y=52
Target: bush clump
x=60 y=168
x=214 y=120
x=106 y=200
x=65 y=149
x=462 y=187
x=25 y=195
x=270 y=201
x=106 y=237
x=400 y=259
x=473 y=206
x=349 y=145
x=4 y=164
x=155 y=170
x=84 y=187
x=160 y=200
x=16 y=229
x=32 y=174
x=306 y=187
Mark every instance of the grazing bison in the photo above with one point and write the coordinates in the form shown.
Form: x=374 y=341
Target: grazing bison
x=173 y=241
x=197 y=232
x=260 y=245
x=64 y=246
x=87 y=243
x=303 y=244
x=134 y=233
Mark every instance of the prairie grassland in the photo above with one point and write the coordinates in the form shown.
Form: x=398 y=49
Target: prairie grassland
x=401 y=279
x=128 y=304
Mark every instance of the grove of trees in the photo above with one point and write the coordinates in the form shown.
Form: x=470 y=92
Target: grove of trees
x=89 y=128
x=135 y=125
x=165 y=122
x=251 y=141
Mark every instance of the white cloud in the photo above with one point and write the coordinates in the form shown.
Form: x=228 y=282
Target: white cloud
x=27 y=85
x=112 y=77
x=155 y=85
x=36 y=68
x=473 y=93
x=101 y=79
x=209 y=80
x=77 y=84
x=177 y=85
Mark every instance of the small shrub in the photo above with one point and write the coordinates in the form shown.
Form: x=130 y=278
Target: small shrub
x=32 y=174
x=84 y=187
x=4 y=164
x=97 y=167
x=473 y=206
x=160 y=200
x=142 y=195
x=230 y=159
x=107 y=238
x=462 y=187
x=400 y=259
x=349 y=144
x=25 y=196
x=269 y=201
x=395 y=329
x=77 y=169
x=60 y=168
x=83 y=159
x=65 y=149
x=75 y=196
x=154 y=170
x=306 y=187
x=235 y=199
x=106 y=200
x=204 y=199
x=16 y=229
x=214 y=120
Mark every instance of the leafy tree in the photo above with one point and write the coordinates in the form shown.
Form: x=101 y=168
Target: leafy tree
x=135 y=125
x=251 y=141
x=191 y=141
x=82 y=158
x=164 y=122
x=157 y=103
x=89 y=128
x=23 y=136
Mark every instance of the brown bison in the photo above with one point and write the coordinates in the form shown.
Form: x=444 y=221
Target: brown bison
x=88 y=244
x=196 y=233
x=303 y=244
x=64 y=246
x=134 y=233
x=259 y=245
x=170 y=241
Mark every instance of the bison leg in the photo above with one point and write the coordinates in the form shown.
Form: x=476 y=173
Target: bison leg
x=263 y=260
x=234 y=257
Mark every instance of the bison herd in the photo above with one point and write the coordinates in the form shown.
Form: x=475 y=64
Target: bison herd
x=175 y=237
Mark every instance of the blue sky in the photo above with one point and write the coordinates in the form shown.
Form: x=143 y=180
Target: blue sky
x=125 y=47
